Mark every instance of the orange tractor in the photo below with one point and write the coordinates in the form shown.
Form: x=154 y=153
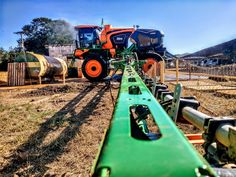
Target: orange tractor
x=98 y=46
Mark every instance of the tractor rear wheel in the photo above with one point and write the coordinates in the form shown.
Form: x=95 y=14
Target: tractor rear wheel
x=151 y=58
x=94 y=68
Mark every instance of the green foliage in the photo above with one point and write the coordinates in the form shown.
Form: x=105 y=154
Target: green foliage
x=3 y=59
x=2 y=53
x=6 y=57
x=37 y=34
x=44 y=31
x=40 y=33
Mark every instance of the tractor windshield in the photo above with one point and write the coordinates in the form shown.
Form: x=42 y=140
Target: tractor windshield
x=88 y=37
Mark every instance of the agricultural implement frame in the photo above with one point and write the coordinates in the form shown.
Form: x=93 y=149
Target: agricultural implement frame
x=129 y=148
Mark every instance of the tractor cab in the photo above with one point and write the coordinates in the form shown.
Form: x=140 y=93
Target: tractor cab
x=87 y=36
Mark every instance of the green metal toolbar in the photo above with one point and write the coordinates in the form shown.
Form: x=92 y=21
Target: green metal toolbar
x=122 y=154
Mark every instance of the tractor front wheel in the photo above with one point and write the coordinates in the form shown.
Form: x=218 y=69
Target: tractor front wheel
x=94 y=69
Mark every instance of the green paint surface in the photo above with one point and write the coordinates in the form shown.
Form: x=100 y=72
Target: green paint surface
x=123 y=155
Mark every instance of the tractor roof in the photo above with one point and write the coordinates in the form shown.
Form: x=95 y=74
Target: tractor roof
x=87 y=26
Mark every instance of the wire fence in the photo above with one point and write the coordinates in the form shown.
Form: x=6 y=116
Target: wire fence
x=225 y=71
x=218 y=79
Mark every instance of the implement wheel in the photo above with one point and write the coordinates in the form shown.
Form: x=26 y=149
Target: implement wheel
x=151 y=58
x=148 y=64
x=94 y=69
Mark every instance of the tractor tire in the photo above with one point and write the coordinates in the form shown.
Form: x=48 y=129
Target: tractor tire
x=151 y=58
x=150 y=54
x=94 y=68
x=148 y=64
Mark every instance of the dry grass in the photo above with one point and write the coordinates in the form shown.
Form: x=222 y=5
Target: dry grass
x=211 y=102
x=56 y=131
x=227 y=93
x=52 y=131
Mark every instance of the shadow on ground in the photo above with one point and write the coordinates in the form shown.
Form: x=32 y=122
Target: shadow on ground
x=38 y=156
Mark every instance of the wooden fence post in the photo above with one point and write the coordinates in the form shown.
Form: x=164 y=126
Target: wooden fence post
x=162 y=71
x=177 y=70
x=16 y=74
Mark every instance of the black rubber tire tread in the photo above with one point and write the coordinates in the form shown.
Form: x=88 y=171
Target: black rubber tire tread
x=151 y=54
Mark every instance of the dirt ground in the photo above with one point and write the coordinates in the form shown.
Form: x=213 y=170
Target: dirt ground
x=211 y=102
x=55 y=130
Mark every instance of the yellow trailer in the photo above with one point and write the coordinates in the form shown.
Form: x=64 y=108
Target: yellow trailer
x=39 y=66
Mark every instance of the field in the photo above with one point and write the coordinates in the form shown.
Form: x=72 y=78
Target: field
x=215 y=98
x=55 y=130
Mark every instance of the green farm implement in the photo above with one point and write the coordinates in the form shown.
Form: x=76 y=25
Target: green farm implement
x=143 y=139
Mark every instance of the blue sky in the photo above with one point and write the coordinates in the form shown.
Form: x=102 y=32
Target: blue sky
x=188 y=25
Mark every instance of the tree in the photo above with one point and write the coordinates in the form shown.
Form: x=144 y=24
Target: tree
x=44 y=31
x=62 y=33
x=2 y=52
x=37 y=34
x=6 y=57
